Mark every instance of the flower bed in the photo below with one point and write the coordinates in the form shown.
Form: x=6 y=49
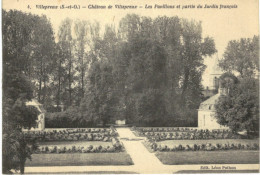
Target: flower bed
x=201 y=147
x=54 y=149
x=87 y=134
x=158 y=134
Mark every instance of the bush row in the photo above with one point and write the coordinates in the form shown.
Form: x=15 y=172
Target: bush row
x=159 y=136
x=183 y=134
x=107 y=131
x=88 y=134
x=171 y=129
x=116 y=147
x=74 y=137
x=202 y=147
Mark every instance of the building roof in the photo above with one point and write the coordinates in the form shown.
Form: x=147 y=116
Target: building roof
x=36 y=104
x=209 y=104
x=33 y=102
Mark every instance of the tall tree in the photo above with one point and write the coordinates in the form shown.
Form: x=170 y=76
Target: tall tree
x=239 y=108
x=18 y=33
x=82 y=60
x=242 y=56
x=65 y=41
x=193 y=50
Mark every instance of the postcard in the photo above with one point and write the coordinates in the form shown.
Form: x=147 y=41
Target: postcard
x=130 y=87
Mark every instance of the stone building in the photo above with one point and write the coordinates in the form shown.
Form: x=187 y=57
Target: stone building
x=206 y=111
x=40 y=122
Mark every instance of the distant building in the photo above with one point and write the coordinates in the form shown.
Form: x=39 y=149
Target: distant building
x=206 y=111
x=120 y=122
x=40 y=122
x=213 y=86
x=214 y=76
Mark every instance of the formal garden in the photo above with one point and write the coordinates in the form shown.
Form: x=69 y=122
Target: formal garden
x=78 y=146
x=181 y=145
x=86 y=76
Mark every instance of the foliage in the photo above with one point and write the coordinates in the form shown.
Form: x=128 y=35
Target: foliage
x=242 y=56
x=228 y=80
x=152 y=71
x=202 y=147
x=239 y=108
x=79 y=149
x=19 y=31
x=90 y=134
x=16 y=149
x=159 y=134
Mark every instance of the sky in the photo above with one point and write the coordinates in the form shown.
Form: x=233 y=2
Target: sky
x=221 y=24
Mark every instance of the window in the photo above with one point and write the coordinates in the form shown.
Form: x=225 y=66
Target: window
x=204 y=121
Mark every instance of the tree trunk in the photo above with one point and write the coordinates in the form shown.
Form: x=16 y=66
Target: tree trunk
x=70 y=83
x=22 y=163
x=82 y=81
x=59 y=84
x=70 y=68
x=185 y=83
x=40 y=90
x=40 y=83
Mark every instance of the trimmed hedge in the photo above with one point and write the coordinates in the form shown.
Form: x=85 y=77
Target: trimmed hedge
x=159 y=134
x=87 y=134
x=202 y=147
x=116 y=147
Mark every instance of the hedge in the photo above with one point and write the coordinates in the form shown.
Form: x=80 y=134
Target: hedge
x=157 y=134
x=116 y=147
x=202 y=147
x=88 y=134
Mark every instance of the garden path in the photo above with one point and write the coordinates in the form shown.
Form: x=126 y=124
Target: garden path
x=144 y=161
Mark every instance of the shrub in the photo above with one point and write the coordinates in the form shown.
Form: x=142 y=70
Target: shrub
x=187 y=148
x=256 y=146
x=194 y=147
x=180 y=147
x=110 y=149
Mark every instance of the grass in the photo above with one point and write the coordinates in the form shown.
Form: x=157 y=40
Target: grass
x=209 y=157
x=76 y=143
x=170 y=143
x=79 y=159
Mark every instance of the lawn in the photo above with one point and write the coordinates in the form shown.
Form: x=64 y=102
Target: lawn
x=75 y=143
x=79 y=159
x=209 y=157
x=170 y=143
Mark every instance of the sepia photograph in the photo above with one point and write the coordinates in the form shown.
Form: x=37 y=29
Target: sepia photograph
x=130 y=87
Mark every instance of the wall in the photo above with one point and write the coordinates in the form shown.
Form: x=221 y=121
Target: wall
x=207 y=120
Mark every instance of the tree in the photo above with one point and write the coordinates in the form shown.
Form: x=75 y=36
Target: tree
x=18 y=33
x=242 y=56
x=193 y=50
x=81 y=45
x=42 y=51
x=165 y=54
x=239 y=109
x=19 y=149
x=65 y=42
x=100 y=95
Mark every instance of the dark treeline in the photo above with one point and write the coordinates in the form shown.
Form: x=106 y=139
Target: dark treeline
x=147 y=71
